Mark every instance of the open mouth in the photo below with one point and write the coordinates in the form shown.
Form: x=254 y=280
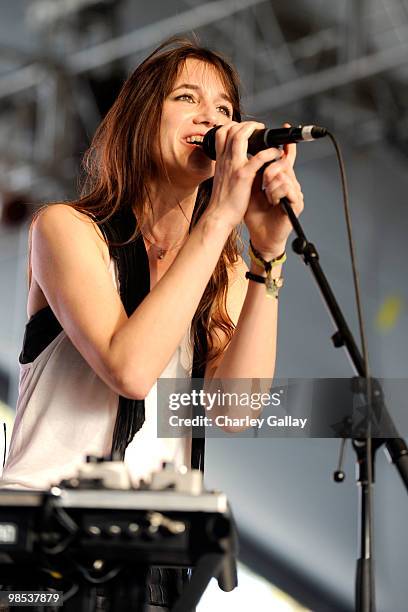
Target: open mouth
x=197 y=139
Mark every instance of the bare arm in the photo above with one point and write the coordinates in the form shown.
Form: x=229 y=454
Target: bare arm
x=252 y=350
x=127 y=353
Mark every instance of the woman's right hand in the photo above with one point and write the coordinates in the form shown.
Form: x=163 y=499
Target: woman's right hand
x=234 y=172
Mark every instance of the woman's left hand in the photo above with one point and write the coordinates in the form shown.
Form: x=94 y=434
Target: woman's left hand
x=267 y=223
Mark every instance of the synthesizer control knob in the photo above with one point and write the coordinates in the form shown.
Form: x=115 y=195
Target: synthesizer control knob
x=133 y=530
x=159 y=522
x=114 y=531
x=94 y=530
x=98 y=565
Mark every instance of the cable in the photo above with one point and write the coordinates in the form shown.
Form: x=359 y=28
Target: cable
x=108 y=576
x=64 y=521
x=58 y=548
x=70 y=593
x=356 y=283
x=356 y=280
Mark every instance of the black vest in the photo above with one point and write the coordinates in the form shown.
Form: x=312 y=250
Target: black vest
x=134 y=279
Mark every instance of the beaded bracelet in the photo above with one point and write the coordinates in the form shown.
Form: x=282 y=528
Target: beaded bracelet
x=270 y=284
x=267 y=265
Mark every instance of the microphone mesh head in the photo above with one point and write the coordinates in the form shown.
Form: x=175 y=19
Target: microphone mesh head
x=209 y=143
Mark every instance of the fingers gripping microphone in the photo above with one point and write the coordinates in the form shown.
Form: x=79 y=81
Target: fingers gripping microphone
x=267 y=138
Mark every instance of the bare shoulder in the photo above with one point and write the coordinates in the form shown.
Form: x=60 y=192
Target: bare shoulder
x=60 y=212
x=61 y=238
x=55 y=220
x=70 y=271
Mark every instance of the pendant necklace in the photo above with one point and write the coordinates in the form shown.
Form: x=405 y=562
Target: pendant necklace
x=161 y=252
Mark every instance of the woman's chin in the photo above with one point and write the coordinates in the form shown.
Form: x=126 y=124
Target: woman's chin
x=191 y=171
x=202 y=166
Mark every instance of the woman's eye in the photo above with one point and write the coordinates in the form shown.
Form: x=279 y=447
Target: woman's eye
x=184 y=96
x=225 y=110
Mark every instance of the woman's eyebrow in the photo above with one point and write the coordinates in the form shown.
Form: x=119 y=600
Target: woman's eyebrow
x=224 y=96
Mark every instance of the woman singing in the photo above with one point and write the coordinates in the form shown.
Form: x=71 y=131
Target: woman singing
x=141 y=277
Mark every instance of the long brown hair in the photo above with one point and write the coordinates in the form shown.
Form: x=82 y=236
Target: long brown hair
x=119 y=164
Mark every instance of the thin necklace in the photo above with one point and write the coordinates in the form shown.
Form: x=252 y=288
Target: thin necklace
x=161 y=252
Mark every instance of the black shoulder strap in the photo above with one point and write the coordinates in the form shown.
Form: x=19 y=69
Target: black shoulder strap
x=40 y=331
x=134 y=280
x=198 y=441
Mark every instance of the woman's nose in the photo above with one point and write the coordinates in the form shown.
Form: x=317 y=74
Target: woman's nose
x=208 y=116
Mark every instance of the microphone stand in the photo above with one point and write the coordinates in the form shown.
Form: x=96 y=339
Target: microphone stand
x=395 y=445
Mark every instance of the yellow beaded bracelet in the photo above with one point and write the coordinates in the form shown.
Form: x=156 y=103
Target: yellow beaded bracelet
x=267 y=265
x=270 y=283
x=257 y=258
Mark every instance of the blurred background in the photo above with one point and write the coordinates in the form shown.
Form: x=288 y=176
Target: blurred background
x=343 y=65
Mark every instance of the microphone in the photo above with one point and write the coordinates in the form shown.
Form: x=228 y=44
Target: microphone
x=267 y=138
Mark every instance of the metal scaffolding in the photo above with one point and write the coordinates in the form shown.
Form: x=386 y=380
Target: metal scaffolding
x=287 y=61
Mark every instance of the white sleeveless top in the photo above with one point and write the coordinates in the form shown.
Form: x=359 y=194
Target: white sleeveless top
x=65 y=412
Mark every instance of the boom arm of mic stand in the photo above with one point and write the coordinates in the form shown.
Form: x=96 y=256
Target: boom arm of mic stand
x=396 y=446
